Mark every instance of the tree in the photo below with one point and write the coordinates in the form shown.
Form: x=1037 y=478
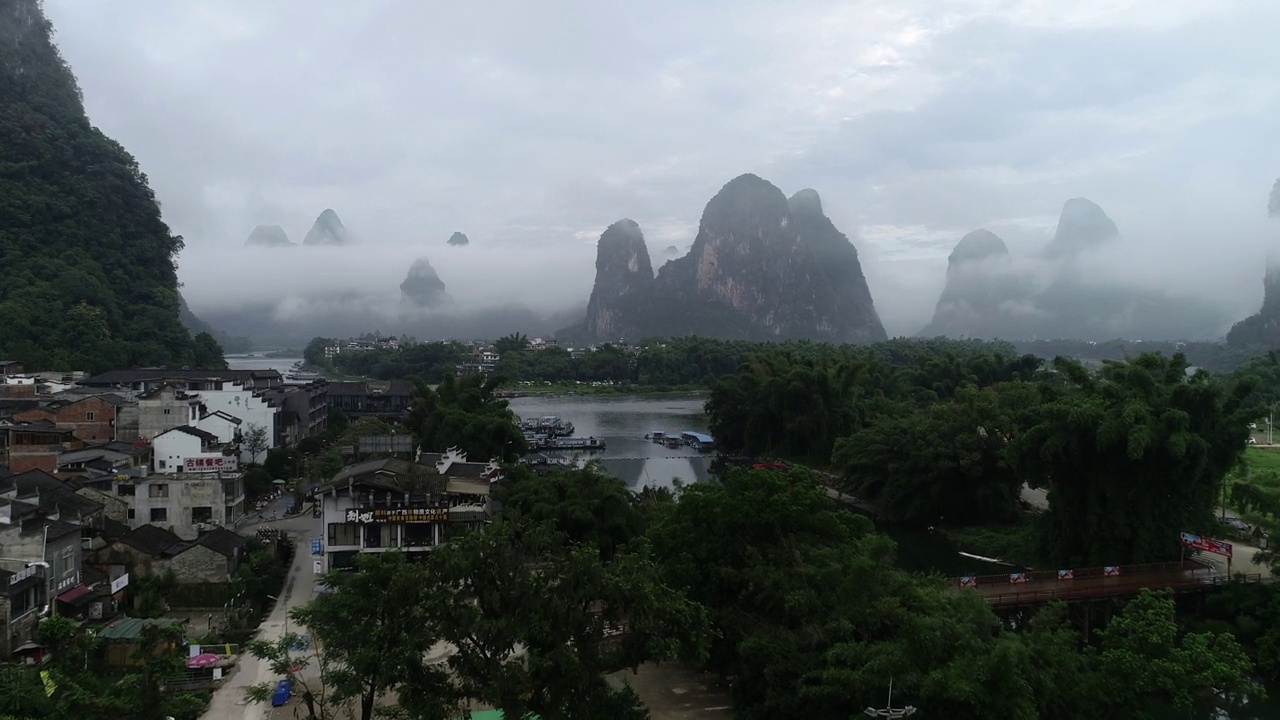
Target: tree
x=945 y=461
x=1142 y=659
x=464 y=413
x=1132 y=455
x=206 y=353
x=811 y=617
x=511 y=343
x=585 y=505
x=255 y=440
x=536 y=622
x=290 y=657
x=258 y=482
x=371 y=657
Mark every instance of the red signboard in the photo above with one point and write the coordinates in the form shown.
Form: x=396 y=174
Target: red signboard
x=215 y=463
x=1199 y=542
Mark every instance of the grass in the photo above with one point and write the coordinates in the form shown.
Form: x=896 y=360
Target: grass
x=1015 y=543
x=1263 y=459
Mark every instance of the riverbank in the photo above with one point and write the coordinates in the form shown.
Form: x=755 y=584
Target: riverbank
x=547 y=389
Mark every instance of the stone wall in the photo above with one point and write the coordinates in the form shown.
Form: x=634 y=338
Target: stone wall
x=197 y=565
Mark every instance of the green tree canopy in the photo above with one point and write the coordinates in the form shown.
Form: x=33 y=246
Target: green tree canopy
x=1132 y=455
x=463 y=413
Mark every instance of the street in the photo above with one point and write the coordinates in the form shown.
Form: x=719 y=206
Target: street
x=228 y=701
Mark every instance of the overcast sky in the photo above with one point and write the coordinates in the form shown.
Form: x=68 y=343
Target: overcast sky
x=532 y=125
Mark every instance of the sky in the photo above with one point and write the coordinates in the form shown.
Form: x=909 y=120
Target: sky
x=532 y=126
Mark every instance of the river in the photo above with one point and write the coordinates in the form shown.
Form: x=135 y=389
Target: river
x=259 y=361
x=623 y=423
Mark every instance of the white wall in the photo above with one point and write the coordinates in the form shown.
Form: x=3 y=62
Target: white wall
x=168 y=449
x=242 y=404
x=223 y=428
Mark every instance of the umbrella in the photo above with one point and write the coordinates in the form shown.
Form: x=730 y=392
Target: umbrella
x=278 y=481
x=203 y=660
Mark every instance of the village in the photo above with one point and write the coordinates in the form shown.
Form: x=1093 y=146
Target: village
x=129 y=480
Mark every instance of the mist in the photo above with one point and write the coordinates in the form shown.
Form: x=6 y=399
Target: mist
x=1212 y=263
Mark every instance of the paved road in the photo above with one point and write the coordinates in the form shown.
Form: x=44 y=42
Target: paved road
x=228 y=701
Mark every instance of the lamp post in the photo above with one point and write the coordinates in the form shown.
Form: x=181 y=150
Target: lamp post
x=889 y=711
x=286 y=614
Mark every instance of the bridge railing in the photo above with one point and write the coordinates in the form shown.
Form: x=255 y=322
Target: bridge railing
x=1122 y=587
x=1120 y=571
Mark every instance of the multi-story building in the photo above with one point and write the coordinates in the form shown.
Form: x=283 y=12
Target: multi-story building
x=387 y=504
x=303 y=410
x=229 y=413
x=194 y=484
x=164 y=408
x=34 y=445
x=359 y=399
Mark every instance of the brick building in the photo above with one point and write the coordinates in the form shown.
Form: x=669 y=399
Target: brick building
x=34 y=445
x=90 y=418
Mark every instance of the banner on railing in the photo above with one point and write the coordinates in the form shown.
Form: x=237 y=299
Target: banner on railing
x=1111 y=570
x=1017 y=578
x=968 y=581
x=1066 y=574
x=1199 y=542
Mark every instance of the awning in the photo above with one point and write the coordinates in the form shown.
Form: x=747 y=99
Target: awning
x=75 y=593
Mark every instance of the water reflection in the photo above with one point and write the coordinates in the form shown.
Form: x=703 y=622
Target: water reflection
x=624 y=422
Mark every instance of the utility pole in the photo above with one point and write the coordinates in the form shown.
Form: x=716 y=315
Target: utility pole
x=889 y=711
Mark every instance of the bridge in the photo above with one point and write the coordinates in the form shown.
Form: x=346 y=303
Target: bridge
x=1117 y=581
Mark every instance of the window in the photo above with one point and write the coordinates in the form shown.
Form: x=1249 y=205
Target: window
x=88 y=416
x=166 y=411
x=201 y=514
x=159 y=514
x=132 y=515
x=125 y=489
x=158 y=490
x=344 y=534
x=68 y=562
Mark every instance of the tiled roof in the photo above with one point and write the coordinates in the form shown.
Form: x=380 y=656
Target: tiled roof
x=222 y=541
x=193 y=431
x=125 y=377
x=151 y=539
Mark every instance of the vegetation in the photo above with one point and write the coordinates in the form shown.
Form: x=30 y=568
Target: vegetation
x=463 y=413
x=533 y=615
x=941 y=432
x=89 y=276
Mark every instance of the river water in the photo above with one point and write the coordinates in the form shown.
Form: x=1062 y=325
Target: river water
x=257 y=361
x=623 y=422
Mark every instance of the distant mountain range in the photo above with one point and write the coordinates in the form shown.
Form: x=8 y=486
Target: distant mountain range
x=990 y=293
x=761 y=267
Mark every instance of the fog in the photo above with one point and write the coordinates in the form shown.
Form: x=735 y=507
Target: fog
x=531 y=131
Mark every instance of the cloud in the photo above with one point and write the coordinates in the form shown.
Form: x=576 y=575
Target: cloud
x=530 y=127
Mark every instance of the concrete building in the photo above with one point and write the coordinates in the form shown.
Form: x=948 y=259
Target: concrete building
x=164 y=408
x=23 y=600
x=386 y=504
x=185 y=503
x=304 y=410
x=211 y=558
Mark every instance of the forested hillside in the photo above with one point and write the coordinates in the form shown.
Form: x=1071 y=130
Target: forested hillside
x=87 y=276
